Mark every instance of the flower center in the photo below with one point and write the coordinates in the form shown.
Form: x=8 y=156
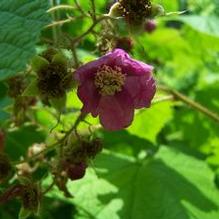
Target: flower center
x=109 y=80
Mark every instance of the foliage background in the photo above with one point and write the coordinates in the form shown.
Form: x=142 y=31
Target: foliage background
x=164 y=166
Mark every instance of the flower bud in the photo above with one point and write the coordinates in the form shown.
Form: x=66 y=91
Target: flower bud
x=49 y=53
x=150 y=26
x=124 y=43
x=76 y=171
x=157 y=10
x=53 y=77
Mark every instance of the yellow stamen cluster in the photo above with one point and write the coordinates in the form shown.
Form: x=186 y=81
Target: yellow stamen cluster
x=109 y=80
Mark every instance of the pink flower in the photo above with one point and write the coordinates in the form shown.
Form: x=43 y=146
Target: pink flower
x=113 y=86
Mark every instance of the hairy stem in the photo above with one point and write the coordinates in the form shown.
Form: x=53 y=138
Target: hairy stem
x=53 y=146
x=197 y=106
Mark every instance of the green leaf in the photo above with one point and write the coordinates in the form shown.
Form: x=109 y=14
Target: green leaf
x=149 y=122
x=204 y=24
x=18 y=140
x=170 y=185
x=20 y=25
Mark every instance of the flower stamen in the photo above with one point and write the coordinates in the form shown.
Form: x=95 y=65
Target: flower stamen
x=109 y=80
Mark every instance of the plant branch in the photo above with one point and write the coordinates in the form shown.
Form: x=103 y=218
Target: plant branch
x=90 y=29
x=53 y=146
x=60 y=7
x=80 y=8
x=93 y=10
x=191 y=103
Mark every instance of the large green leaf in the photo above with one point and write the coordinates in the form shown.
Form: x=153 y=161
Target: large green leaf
x=170 y=185
x=21 y=22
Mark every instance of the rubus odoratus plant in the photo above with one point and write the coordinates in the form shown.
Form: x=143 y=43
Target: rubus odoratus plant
x=111 y=86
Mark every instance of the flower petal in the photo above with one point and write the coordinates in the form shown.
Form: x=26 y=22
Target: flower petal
x=134 y=67
x=142 y=90
x=90 y=97
x=88 y=70
x=129 y=66
x=116 y=112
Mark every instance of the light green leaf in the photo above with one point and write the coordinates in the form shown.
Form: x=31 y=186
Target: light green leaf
x=204 y=24
x=149 y=122
x=20 y=25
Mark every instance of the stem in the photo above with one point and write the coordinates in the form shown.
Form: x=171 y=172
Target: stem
x=162 y=99
x=191 y=103
x=75 y=56
x=93 y=10
x=61 y=7
x=55 y=30
x=53 y=146
x=61 y=22
x=49 y=148
x=80 y=8
x=78 y=39
x=49 y=188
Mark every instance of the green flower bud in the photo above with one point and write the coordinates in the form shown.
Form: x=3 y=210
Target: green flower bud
x=157 y=10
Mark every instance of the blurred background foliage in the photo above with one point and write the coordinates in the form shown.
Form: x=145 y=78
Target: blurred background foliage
x=165 y=165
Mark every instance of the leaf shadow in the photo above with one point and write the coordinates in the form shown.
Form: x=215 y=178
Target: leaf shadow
x=151 y=189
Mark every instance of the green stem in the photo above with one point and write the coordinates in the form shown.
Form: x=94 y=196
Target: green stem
x=191 y=103
x=80 y=8
x=98 y=20
x=93 y=10
x=53 y=146
x=162 y=99
x=55 y=29
x=61 y=7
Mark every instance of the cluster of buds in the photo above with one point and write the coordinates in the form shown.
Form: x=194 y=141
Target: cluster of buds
x=109 y=39
x=76 y=157
x=29 y=194
x=74 y=161
x=136 y=12
x=16 y=87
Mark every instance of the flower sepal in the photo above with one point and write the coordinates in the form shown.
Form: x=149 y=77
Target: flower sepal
x=38 y=63
x=115 y=11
